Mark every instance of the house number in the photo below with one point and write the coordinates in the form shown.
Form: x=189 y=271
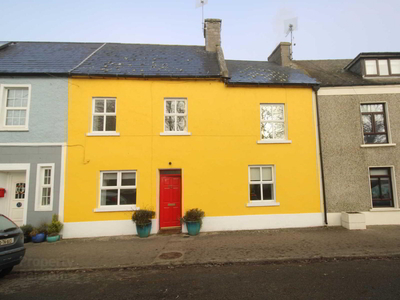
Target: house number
x=19 y=204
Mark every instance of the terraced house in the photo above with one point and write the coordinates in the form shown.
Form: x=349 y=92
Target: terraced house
x=33 y=127
x=359 y=102
x=177 y=127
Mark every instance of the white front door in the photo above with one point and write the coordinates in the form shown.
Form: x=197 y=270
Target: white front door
x=17 y=197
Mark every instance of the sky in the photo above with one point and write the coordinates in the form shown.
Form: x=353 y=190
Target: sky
x=251 y=29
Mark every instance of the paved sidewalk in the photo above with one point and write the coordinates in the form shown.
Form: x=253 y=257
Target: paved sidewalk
x=218 y=247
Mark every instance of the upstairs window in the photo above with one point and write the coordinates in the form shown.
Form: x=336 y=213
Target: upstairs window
x=104 y=115
x=395 y=66
x=273 y=122
x=374 y=123
x=382 y=67
x=15 y=108
x=175 y=115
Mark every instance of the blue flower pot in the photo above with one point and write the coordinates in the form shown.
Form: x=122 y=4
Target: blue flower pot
x=143 y=230
x=39 y=238
x=52 y=239
x=193 y=227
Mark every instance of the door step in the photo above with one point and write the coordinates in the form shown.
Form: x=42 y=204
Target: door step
x=168 y=231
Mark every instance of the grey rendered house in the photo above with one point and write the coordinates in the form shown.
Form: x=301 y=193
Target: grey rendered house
x=33 y=126
x=358 y=105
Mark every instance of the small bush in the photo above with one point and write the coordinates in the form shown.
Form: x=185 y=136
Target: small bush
x=26 y=229
x=54 y=227
x=34 y=232
x=143 y=216
x=42 y=228
x=193 y=215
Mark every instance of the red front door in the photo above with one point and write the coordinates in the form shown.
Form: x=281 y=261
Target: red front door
x=170 y=200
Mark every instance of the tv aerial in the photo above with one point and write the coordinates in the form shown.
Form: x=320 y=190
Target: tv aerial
x=290 y=25
x=201 y=3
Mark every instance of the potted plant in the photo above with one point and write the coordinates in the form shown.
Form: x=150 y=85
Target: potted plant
x=142 y=218
x=53 y=229
x=38 y=234
x=27 y=229
x=193 y=219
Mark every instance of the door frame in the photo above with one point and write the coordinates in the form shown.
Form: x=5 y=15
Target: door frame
x=159 y=191
x=19 y=167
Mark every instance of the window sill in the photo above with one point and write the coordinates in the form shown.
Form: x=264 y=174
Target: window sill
x=118 y=208
x=43 y=209
x=377 y=145
x=384 y=209
x=274 y=142
x=254 y=204
x=14 y=129
x=102 y=134
x=175 y=133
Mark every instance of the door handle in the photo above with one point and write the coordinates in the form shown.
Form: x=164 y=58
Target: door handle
x=171 y=204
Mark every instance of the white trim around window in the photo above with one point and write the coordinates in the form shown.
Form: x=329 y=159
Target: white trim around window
x=175 y=117
x=118 y=191
x=104 y=117
x=386 y=123
x=262 y=186
x=44 y=187
x=15 y=117
x=393 y=188
x=273 y=125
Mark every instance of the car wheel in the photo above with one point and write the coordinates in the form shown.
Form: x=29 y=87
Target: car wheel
x=5 y=272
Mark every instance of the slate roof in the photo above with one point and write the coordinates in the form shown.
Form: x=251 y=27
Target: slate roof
x=265 y=73
x=142 y=60
x=331 y=72
x=43 y=57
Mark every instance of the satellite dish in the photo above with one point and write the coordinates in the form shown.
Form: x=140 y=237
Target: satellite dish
x=290 y=25
x=201 y=3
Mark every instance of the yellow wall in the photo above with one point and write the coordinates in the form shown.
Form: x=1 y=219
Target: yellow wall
x=225 y=126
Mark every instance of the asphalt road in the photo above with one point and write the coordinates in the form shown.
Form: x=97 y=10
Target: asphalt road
x=362 y=279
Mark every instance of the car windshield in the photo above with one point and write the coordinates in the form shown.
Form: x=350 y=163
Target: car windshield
x=6 y=224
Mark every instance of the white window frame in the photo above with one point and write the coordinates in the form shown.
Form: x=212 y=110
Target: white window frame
x=39 y=187
x=176 y=115
x=274 y=141
x=3 y=102
x=387 y=119
x=118 y=207
x=273 y=182
x=104 y=115
x=394 y=188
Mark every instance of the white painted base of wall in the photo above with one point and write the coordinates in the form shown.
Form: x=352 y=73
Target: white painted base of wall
x=102 y=228
x=252 y=222
x=371 y=218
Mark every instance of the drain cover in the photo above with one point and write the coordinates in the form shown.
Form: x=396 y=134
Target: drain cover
x=170 y=255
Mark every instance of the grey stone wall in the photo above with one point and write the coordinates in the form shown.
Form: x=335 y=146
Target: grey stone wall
x=34 y=156
x=345 y=162
x=47 y=114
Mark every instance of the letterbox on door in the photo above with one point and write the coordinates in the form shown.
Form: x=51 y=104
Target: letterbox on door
x=2 y=192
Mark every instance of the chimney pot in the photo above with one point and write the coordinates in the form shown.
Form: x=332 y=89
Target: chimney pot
x=212 y=34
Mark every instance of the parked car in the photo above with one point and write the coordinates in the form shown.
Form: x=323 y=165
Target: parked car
x=12 y=248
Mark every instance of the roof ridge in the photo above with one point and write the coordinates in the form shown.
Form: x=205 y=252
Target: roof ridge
x=109 y=43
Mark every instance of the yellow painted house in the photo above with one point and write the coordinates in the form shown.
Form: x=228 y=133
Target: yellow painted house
x=171 y=128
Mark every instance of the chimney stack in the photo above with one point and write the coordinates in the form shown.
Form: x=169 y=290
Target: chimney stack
x=212 y=34
x=281 y=55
